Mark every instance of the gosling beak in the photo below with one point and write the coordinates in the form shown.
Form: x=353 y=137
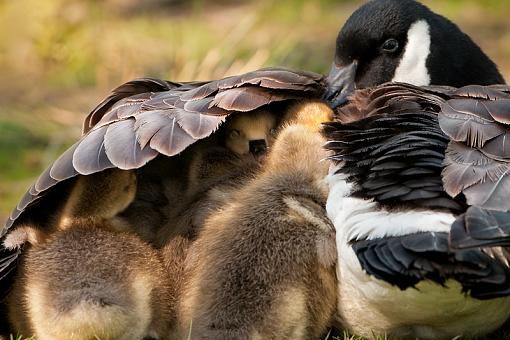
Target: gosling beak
x=258 y=147
x=340 y=83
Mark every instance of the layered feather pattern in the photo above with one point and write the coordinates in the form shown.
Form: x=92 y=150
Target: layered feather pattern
x=476 y=120
x=394 y=152
x=481 y=227
x=432 y=148
x=406 y=260
x=147 y=117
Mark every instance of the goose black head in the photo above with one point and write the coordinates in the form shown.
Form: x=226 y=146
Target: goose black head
x=404 y=41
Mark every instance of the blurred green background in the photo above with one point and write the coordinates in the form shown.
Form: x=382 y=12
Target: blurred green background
x=59 y=58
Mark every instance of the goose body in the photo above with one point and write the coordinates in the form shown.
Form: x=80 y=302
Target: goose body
x=393 y=202
x=427 y=310
x=412 y=184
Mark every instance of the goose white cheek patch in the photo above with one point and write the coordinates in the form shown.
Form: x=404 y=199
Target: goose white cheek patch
x=412 y=68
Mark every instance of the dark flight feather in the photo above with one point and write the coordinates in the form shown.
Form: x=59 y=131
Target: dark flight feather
x=394 y=153
x=406 y=260
x=479 y=227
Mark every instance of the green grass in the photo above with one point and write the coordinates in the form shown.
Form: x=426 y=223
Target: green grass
x=24 y=146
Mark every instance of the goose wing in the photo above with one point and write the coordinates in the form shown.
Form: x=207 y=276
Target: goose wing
x=477 y=163
x=147 y=117
x=432 y=148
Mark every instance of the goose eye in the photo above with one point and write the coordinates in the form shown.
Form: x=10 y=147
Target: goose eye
x=233 y=134
x=272 y=131
x=390 y=46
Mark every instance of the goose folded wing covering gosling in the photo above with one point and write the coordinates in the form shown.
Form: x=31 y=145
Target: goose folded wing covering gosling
x=147 y=117
x=432 y=148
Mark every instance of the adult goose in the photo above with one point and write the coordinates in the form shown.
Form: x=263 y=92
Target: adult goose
x=392 y=210
x=410 y=162
x=148 y=118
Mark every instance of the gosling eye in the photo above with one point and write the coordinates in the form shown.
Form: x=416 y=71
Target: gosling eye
x=234 y=134
x=390 y=46
x=273 y=131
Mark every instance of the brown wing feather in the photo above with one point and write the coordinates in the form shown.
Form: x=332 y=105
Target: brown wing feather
x=468 y=121
x=201 y=92
x=493 y=92
x=198 y=126
x=272 y=79
x=465 y=167
x=499 y=147
x=491 y=194
x=171 y=139
x=478 y=157
x=246 y=98
x=202 y=106
x=128 y=89
x=90 y=153
x=122 y=147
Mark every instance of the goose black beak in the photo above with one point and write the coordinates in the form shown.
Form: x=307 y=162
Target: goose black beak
x=340 y=83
